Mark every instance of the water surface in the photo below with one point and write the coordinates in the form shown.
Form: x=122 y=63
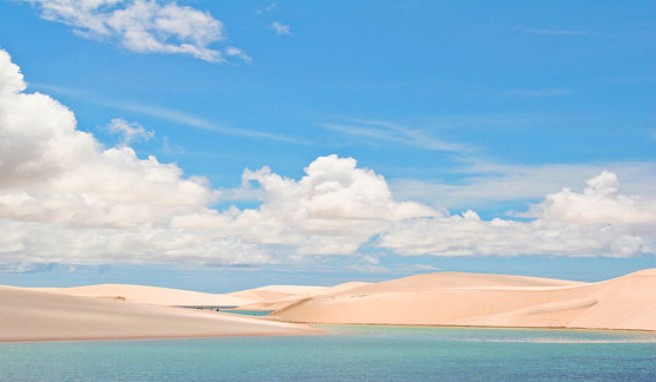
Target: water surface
x=349 y=353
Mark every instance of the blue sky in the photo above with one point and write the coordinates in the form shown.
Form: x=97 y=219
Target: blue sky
x=458 y=105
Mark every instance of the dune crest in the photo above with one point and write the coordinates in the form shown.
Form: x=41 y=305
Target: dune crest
x=274 y=297
x=150 y=295
x=465 y=299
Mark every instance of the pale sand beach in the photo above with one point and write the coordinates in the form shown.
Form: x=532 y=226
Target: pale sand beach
x=151 y=295
x=28 y=315
x=463 y=299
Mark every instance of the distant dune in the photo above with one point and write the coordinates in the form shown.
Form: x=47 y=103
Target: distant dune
x=151 y=295
x=465 y=299
x=275 y=297
x=275 y=292
x=445 y=298
x=27 y=315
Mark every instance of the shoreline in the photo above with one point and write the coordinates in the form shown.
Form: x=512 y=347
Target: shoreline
x=432 y=326
x=301 y=333
x=318 y=329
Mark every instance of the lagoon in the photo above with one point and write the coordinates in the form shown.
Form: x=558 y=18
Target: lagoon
x=347 y=353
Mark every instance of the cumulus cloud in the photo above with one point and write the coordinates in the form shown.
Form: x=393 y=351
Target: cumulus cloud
x=130 y=132
x=596 y=222
x=333 y=209
x=280 y=28
x=600 y=203
x=65 y=198
x=144 y=26
x=484 y=185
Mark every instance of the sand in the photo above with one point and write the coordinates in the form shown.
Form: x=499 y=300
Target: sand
x=274 y=297
x=464 y=299
x=440 y=299
x=28 y=315
x=151 y=295
x=275 y=292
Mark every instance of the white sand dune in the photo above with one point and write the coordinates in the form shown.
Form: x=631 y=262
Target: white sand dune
x=627 y=302
x=271 y=297
x=28 y=315
x=273 y=292
x=150 y=295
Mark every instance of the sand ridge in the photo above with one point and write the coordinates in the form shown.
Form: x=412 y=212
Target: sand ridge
x=464 y=299
x=150 y=295
x=112 y=311
x=272 y=299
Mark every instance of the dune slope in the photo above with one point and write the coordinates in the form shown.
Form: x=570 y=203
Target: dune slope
x=627 y=302
x=28 y=315
x=150 y=295
x=272 y=299
x=273 y=292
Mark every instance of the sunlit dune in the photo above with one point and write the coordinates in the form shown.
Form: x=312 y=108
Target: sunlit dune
x=272 y=292
x=151 y=295
x=627 y=302
x=272 y=298
x=28 y=315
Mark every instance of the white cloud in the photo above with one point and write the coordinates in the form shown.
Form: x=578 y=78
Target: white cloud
x=183 y=118
x=236 y=52
x=169 y=148
x=597 y=222
x=269 y=8
x=280 y=28
x=64 y=198
x=485 y=185
x=333 y=209
x=144 y=26
x=369 y=131
x=599 y=204
x=131 y=132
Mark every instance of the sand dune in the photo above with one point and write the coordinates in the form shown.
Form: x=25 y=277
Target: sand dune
x=452 y=299
x=151 y=295
x=627 y=302
x=273 y=292
x=28 y=315
x=272 y=299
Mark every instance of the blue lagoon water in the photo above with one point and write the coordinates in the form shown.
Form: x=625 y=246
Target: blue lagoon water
x=248 y=312
x=348 y=353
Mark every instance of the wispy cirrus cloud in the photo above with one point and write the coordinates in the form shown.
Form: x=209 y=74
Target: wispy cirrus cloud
x=267 y=9
x=170 y=115
x=386 y=132
x=143 y=26
x=199 y=122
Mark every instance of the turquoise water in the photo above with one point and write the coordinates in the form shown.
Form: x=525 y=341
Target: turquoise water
x=244 y=312
x=349 y=353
